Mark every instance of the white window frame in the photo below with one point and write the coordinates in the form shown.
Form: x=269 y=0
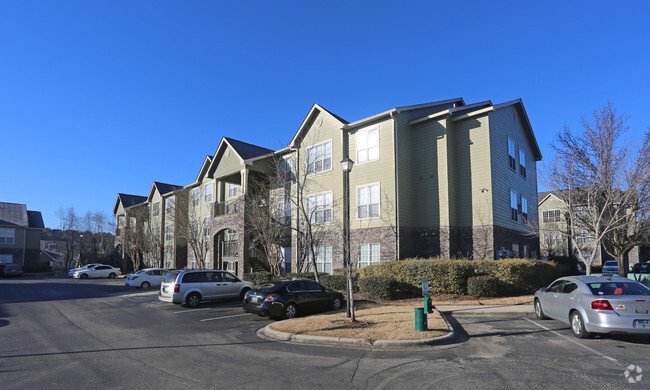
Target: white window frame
x=7 y=236
x=368 y=199
x=319 y=208
x=233 y=190
x=169 y=232
x=319 y=157
x=284 y=211
x=169 y=205
x=522 y=163
x=369 y=254
x=524 y=209
x=196 y=197
x=208 y=189
x=368 y=144
x=155 y=209
x=549 y=216
x=323 y=259
x=512 y=154
x=206 y=226
x=514 y=206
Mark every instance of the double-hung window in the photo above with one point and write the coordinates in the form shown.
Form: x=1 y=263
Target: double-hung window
x=524 y=210
x=196 y=196
x=155 y=209
x=522 y=163
x=368 y=254
x=512 y=154
x=284 y=211
x=323 y=259
x=233 y=190
x=368 y=201
x=319 y=157
x=207 y=192
x=319 y=208
x=170 y=205
x=169 y=232
x=7 y=235
x=551 y=216
x=206 y=226
x=514 y=213
x=368 y=144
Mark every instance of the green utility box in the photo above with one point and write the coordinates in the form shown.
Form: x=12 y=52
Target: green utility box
x=420 y=319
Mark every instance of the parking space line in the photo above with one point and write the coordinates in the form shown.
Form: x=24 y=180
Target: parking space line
x=574 y=341
x=190 y=310
x=220 y=318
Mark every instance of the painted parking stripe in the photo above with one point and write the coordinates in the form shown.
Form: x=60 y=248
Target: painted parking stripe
x=221 y=318
x=611 y=359
x=190 y=310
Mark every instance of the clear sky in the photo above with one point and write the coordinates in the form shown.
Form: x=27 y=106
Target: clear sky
x=101 y=97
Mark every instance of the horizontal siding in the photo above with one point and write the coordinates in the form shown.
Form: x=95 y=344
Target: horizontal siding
x=228 y=165
x=506 y=122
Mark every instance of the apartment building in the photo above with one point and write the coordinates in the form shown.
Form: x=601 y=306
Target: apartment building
x=438 y=179
x=20 y=237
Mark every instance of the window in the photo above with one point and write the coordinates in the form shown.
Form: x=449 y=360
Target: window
x=155 y=209
x=368 y=202
x=582 y=237
x=368 y=254
x=233 y=190
x=169 y=232
x=170 y=205
x=284 y=211
x=368 y=144
x=319 y=158
x=514 y=213
x=551 y=215
x=512 y=156
x=7 y=236
x=323 y=259
x=285 y=257
x=285 y=169
x=6 y=259
x=196 y=197
x=553 y=239
x=522 y=163
x=207 y=192
x=319 y=208
x=206 y=226
x=524 y=210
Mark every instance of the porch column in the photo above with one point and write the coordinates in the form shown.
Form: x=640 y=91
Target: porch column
x=244 y=180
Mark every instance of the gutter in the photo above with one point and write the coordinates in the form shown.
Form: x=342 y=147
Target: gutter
x=397 y=231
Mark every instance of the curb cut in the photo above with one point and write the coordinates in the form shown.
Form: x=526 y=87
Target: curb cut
x=352 y=342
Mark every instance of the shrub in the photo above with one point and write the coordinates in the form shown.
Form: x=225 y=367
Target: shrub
x=335 y=282
x=260 y=278
x=378 y=287
x=484 y=286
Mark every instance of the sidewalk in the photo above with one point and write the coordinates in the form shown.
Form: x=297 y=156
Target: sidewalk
x=445 y=310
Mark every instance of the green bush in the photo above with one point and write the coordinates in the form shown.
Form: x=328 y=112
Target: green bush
x=335 y=282
x=484 y=286
x=378 y=287
x=260 y=278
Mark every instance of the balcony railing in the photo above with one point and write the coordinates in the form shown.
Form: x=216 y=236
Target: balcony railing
x=225 y=208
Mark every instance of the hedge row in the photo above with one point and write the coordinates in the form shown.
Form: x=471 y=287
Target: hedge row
x=516 y=276
x=336 y=282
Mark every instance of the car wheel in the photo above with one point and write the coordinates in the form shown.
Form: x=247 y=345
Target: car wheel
x=578 y=326
x=290 y=311
x=193 y=300
x=112 y=275
x=538 y=310
x=243 y=293
x=336 y=303
x=83 y=276
x=145 y=285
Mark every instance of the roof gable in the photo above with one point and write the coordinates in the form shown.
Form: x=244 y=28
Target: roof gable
x=127 y=200
x=527 y=127
x=313 y=113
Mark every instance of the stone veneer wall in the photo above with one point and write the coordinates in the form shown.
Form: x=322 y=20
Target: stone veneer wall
x=504 y=237
x=235 y=222
x=422 y=242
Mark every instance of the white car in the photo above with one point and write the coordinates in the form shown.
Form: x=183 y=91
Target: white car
x=87 y=266
x=146 y=278
x=99 y=271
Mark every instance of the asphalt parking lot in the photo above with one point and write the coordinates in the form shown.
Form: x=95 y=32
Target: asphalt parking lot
x=65 y=333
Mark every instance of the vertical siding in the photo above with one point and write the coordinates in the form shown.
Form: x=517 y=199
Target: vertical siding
x=503 y=124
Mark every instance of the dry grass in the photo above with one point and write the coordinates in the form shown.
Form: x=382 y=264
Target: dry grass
x=442 y=300
x=375 y=321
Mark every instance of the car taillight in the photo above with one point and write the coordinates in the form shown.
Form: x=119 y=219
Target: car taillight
x=601 y=304
x=248 y=293
x=134 y=277
x=177 y=288
x=271 y=297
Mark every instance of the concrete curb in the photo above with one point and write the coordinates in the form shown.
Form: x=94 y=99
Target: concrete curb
x=352 y=342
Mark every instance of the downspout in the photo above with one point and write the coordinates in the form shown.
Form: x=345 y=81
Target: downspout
x=397 y=220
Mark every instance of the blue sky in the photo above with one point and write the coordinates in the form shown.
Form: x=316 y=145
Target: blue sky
x=98 y=98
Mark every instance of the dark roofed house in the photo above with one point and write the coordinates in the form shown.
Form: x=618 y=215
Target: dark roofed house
x=20 y=237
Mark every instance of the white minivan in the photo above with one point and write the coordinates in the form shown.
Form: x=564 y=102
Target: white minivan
x=193 y=286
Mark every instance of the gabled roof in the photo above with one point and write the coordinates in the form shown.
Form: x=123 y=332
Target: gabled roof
x=529 y=129
x=203 y=171
x=313 y=112
x=162 y=188
x=245 y=150
x=128 y=200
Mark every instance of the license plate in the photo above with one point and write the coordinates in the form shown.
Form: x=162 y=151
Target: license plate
x=641 y=311
x=641 y=323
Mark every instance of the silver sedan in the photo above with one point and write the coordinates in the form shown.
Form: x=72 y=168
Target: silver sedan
x=596 y=304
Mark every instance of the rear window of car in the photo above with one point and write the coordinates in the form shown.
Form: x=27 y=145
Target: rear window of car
x=618 y=288
x=170 y=277
x=611 y=263
x=195 y=277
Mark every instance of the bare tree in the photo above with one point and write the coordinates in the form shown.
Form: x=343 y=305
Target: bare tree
x=193 y=226
x=69 y=222
x=604 y=183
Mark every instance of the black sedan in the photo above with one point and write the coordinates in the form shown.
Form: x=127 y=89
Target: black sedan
x=290 y=298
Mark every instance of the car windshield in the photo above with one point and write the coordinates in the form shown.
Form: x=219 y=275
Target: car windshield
x=618 y=288
x=139 y=272
x=170 y=277
x=611 y=263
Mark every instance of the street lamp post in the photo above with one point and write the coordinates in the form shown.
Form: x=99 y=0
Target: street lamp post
x=81 y=248
x=346 y=164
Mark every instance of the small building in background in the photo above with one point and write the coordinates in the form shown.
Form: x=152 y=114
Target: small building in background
x=20 y=237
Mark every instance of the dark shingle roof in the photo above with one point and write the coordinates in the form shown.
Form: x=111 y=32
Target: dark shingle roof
x=542 y=195
x=246 y=150
x=131 y=200
x=35 y=219
x=335 y=116
x=165 y=188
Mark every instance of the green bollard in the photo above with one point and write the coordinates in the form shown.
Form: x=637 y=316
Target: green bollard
x=420 y=319
x=428 y=307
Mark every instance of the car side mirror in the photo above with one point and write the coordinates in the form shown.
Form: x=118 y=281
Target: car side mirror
x=543 y=289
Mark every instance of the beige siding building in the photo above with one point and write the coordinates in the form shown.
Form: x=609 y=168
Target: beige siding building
x=437 y=179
